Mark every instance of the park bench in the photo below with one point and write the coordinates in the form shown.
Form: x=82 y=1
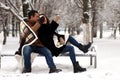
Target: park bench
x=92 y=54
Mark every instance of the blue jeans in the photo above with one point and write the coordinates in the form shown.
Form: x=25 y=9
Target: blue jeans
x=70 y=49
x=27 y=50
x=73 y=41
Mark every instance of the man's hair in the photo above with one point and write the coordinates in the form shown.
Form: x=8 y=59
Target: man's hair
x=31 y=13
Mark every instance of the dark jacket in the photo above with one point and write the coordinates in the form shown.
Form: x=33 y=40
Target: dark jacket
x=45 y=34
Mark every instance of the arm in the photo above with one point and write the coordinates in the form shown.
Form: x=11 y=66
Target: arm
x=26 y=34
x=36 y=27
x=53 y=25
x=61 y=38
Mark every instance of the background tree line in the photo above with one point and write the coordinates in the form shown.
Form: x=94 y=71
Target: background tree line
x=89 y=13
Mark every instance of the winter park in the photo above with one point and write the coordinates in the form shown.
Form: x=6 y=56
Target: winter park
x=94 y=24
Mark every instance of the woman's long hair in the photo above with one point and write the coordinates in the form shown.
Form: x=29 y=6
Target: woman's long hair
x=42 y=19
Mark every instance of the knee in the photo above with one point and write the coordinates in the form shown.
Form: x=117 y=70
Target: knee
x=26 y=50
x=71 y=47
x=47 y=53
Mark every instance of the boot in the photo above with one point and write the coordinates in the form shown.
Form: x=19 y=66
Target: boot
x=84 y=48
x=54 y=70
x=78 y=68
x=26 y=70
x=81 y=47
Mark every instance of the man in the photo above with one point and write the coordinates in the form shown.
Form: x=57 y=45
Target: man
x=37 y=46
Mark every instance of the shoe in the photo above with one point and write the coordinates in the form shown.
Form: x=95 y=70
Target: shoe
x=26 y=70
x=78 y=68
x=54 y=70
x=86 y=47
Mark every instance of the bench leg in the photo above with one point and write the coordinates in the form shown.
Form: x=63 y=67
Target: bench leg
x=91 y=60
x=95 y=62
x=0 y=61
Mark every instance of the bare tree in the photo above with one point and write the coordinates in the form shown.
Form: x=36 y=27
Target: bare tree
x=17 y=14
x=4 y=25
x=87 y=7
x=108 y=11
x=5 y=32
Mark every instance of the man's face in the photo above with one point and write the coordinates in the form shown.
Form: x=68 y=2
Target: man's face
x=35 y=18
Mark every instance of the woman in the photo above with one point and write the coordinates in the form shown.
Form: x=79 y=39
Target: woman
x=46 y=33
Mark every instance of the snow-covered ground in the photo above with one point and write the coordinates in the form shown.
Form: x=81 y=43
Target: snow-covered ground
x=108 y=67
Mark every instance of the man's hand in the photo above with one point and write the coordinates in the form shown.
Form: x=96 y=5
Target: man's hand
x=36 y=26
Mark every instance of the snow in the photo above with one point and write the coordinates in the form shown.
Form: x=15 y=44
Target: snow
x=108 y=67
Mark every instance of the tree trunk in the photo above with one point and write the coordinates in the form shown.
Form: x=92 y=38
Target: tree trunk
x=25 y=8
x=13 y=26
x=119 y=28
x=86 y=37
x=85 y=22
x=4 y=34
x=85 y=12
x=101 y=31
x=115 y=30
x=94 y=28
x=115 y=33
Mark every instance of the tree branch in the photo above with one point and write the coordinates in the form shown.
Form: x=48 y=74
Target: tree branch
x=79 y=3
x=12 y=5
x=31 y=5
x=2 y=6
x=19 y=17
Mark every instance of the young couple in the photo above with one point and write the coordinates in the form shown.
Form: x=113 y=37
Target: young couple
x=45 y=44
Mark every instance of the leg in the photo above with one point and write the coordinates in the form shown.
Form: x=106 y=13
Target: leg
x=27 y=50
x=49 y=59
x=46 y=52
x=73 y=41
x=83 y=48
x=71 y=51
x=76 y=66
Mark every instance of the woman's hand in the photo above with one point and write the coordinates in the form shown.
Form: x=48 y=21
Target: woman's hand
x=57 y=18
x=62 y=41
